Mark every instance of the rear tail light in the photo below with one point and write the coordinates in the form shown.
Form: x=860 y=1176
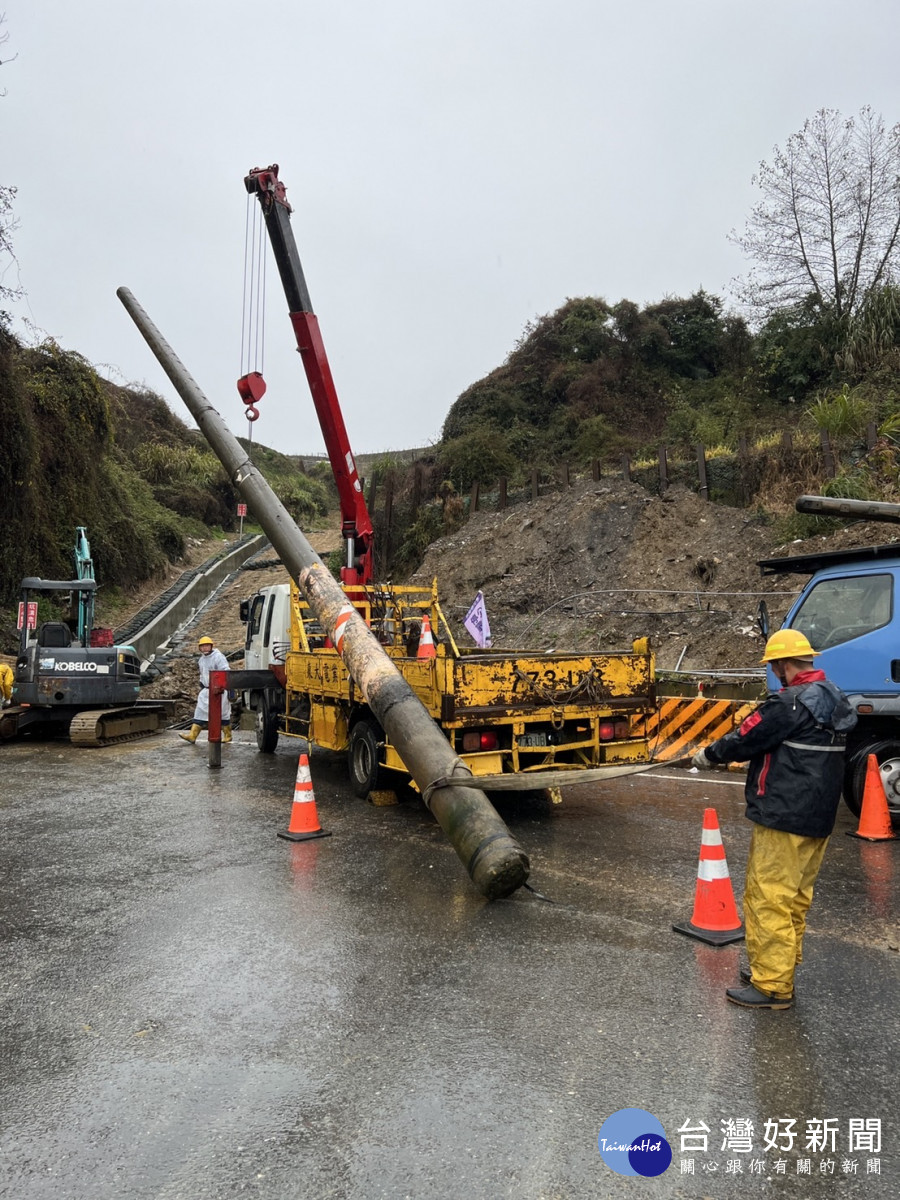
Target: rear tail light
x=476 y=740
x=607 y=730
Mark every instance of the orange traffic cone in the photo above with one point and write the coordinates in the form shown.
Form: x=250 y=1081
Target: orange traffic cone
x=426 y=641
x=304 y=823
x=874 y=817
x=715 y=918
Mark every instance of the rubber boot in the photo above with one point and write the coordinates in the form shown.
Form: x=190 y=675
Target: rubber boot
x=192 y=734
x=226 y=733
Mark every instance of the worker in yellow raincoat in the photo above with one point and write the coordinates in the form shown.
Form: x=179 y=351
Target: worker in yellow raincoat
x=6 y=682
x=795 y=744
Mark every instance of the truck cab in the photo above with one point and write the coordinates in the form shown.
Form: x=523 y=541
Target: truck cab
x=849 y=611
x=268 y=619
x=267 y=615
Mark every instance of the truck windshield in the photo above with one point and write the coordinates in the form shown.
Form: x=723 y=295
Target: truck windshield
x=839 y=610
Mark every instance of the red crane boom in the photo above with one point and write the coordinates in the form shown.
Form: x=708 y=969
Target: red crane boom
x=356 y=524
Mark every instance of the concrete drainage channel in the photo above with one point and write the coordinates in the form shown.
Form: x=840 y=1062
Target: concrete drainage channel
x=155 y=631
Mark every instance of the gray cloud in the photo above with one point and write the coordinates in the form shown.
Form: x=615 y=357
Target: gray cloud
x=455 y=170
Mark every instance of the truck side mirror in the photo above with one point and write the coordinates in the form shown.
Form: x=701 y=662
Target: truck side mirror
x=245 y=611
x=762 y=618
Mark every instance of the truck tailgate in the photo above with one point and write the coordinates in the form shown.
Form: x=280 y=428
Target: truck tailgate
x=524 y=683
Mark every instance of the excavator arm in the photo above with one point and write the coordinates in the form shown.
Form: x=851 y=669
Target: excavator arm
x=84 y=569
x=356 y=524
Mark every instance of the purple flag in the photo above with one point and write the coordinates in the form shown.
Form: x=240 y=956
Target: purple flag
x=477 y=621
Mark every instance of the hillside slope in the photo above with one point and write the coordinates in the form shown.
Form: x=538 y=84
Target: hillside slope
x=603 y=563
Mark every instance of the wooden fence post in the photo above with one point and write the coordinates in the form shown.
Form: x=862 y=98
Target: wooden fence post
x=565 y=475
x=701 y=471
x=663 y=470
x=595 y=470
x=501 y=488
x=787 y=442
x=827 y=454
x=626 y=468
x=871 y=435
x=473 y=498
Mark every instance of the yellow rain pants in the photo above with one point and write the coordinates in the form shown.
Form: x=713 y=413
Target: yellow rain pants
x=781 y=871
x=6 y=681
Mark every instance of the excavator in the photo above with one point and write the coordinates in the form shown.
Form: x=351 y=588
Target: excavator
x=69 y=677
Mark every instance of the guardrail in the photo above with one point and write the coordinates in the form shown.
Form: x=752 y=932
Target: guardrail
x=151 y=639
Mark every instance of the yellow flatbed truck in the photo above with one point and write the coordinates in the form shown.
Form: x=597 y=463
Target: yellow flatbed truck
x=505 y=713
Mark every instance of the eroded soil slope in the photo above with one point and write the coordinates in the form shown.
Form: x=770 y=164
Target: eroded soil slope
x=603 y=563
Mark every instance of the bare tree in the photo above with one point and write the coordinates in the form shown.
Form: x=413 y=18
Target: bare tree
x=828 y=226
x=4 y=38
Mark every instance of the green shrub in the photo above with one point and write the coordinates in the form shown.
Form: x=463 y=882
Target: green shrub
x=427 y=528
x=304 y=498
x=852 y=484
x=176 y=466
x=843 y=415
x=480 y=455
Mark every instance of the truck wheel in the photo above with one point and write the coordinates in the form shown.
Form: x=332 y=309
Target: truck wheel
x=266 y=727
x=888 y=754
x=366 y=774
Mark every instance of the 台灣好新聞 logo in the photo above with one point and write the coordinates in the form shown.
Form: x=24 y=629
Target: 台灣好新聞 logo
x=633 y=1142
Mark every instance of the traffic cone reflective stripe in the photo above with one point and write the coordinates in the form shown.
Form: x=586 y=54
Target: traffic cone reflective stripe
x=712 y=864
x=304 y=822
x=874 y=816
x=715 y=917
x=426 y=641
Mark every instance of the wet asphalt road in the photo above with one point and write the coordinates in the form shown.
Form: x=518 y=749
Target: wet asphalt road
x=193 y=1007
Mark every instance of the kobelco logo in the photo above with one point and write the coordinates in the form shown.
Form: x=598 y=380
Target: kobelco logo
x=75 y=666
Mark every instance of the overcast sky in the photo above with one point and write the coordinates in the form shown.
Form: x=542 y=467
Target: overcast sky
x=455 y=170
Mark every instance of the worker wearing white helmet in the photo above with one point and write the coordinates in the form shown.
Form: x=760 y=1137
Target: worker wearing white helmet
x=794 y=743
x=211 y=659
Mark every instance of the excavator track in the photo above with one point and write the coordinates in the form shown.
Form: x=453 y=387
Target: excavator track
x=108 y=727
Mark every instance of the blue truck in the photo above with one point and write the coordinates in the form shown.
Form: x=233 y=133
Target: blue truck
x=850 y=612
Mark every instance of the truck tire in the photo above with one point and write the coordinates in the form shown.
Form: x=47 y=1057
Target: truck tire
x=266 y=726
x=363 y=760
x=886 y=750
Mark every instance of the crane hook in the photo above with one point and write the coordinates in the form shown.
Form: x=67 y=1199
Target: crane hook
x=251 y=389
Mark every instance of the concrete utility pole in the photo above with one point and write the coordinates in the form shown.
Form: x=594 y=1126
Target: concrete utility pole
x=494 y=860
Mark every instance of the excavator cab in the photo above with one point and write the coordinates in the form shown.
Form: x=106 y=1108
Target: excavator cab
x=54 y=634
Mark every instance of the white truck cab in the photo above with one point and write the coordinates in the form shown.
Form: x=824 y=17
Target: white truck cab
x=268 y=638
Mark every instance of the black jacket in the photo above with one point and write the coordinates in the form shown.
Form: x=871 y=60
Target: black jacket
x=795 y=745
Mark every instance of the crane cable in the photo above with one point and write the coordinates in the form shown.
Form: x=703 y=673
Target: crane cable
x=251 y=384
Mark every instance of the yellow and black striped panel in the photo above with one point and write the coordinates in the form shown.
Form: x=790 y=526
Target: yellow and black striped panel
x=682 y=725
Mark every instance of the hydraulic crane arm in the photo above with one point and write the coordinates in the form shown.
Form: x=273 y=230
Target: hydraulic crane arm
x=356 y=524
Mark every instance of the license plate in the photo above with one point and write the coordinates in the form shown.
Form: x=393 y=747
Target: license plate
x=533 y=740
